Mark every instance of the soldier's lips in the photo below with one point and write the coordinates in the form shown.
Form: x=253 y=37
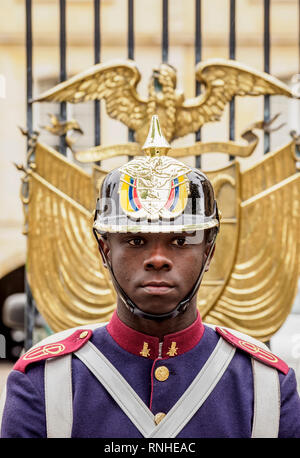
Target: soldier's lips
x=157 y=287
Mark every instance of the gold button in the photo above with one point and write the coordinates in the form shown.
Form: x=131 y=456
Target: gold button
x=162 y=373
x=83 y=334
x=158 y=417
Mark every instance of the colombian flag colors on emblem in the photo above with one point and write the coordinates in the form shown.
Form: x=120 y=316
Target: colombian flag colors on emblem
x=167 y=199
x=128 y=195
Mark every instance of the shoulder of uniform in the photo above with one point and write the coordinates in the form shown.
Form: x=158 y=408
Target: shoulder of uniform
x=56 y=347
x=256 y=351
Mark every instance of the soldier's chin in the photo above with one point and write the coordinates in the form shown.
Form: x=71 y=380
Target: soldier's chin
x=157 y=307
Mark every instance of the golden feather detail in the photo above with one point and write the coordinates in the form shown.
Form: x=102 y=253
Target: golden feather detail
x=117 y=83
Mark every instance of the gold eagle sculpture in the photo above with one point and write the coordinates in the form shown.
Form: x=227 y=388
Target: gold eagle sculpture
x=253 y=277
x=117 y=82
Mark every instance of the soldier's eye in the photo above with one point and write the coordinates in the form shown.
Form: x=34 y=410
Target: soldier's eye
x=136 y=241
x=180 y=241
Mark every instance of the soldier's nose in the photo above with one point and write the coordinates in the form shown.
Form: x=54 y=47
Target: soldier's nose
x=158 y=260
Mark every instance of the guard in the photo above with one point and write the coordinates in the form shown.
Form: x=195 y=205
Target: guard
x=155 y=370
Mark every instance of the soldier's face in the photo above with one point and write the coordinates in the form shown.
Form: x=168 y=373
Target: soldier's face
x=156 y=271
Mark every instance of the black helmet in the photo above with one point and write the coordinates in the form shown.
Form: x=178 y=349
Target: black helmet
x=153 y=194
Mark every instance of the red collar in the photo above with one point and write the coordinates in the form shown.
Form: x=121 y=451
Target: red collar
x=148 y=346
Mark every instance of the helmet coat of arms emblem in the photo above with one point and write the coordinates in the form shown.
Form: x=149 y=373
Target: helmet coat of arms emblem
x=154 y=187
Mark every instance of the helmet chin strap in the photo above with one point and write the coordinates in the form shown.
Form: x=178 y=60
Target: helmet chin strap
x=181 y=306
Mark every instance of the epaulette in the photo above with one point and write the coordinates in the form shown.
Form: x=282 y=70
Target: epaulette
x=51 y=350
x=254 y=350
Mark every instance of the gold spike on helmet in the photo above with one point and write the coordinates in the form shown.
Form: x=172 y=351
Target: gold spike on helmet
x=155 y=144
x=155 y=193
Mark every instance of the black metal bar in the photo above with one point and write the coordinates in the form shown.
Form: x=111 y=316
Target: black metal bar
x=232 y=47
x=130 y=41
x=130 y=51
x=198 y=57
x=266 y=69
x=97 y=58
x=97 y=36
x=29 y=314
x=29 y=64
x=165 y=31
x=63 y=72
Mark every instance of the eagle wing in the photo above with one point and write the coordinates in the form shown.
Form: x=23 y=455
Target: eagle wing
x=65 y=272
x=223 y=79
x=115 y=83
x=259 y=293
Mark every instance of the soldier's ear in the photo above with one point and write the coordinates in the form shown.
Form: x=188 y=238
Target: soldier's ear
x=104 y=249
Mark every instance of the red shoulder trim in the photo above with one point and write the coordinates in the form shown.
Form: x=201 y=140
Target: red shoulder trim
x=51 y=350
x=255 y=351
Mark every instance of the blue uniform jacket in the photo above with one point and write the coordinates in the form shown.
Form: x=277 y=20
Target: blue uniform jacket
x=227 y=413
